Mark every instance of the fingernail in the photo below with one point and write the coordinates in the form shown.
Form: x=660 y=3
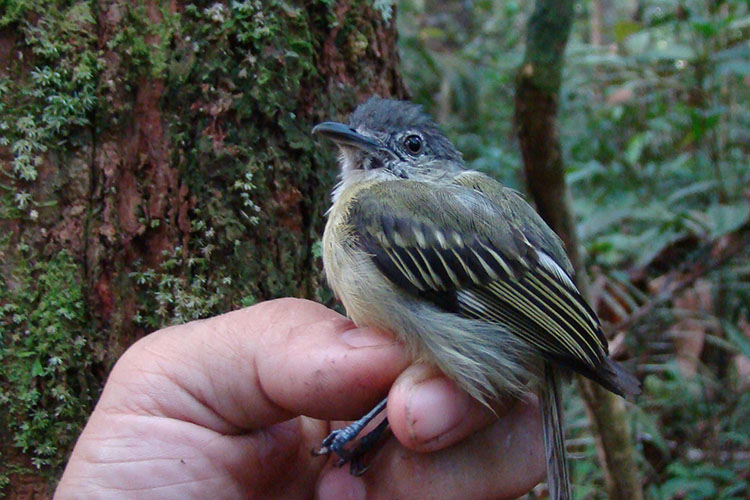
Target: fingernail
x=338 y=484
x=434 y=408
x=366 y=337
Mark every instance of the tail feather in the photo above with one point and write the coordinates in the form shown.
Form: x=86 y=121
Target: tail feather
x=609 y=374
x=558 y=479
x=617 y=379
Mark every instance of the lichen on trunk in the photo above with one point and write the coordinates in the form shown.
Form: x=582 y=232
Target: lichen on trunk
x=159 y=153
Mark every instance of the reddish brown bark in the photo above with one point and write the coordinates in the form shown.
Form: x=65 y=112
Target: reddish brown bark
x=155 y=157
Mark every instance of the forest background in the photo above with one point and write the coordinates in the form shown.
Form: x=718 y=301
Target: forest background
x=157 y=167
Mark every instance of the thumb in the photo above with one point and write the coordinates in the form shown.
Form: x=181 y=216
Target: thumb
x=257 y=366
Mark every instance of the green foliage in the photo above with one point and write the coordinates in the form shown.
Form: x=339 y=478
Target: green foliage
x=143 y=42
x=45 y=358
x=462 y=67
x=384 y=7
x=182 y=288
x=698 y=435
x=15 y=11
x=233 y=79
x=234 y=76
x=668 y=102
x=46 y=100
x=42 y=108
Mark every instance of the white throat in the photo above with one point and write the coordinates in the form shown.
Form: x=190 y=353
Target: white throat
x=352 y=176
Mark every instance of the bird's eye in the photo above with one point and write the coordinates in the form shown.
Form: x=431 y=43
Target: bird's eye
x=413 y=144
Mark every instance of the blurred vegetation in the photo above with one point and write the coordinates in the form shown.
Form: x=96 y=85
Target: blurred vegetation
x=655 y=126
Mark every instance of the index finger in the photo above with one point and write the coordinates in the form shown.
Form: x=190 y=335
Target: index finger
x=257 y=366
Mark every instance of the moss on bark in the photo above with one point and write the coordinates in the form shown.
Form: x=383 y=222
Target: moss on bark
x=159 y=153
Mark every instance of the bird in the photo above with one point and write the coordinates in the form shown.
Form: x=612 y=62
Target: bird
x=460 y=268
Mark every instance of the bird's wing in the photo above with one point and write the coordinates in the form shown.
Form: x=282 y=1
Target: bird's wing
x=483 y=255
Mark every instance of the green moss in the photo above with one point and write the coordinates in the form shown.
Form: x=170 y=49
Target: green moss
x=182 y=288
x=45 y=357
x=385 y=7
x=15 y=11
x=46 y=105
x=236 y=78
x=43 y=108
x=233 y=84
x=142 y=44
x=240 y=90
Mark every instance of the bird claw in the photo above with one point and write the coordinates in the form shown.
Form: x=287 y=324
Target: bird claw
x=337 y=439
x=335 y=442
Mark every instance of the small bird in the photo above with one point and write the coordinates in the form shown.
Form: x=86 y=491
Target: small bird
x=459 y=268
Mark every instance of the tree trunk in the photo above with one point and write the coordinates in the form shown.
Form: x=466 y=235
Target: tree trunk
x=537 y=91
x=157 y=167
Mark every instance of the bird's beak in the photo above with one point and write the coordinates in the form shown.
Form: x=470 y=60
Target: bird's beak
x=343 y=135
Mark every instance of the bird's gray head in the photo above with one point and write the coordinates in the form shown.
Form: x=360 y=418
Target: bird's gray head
x=387 y=138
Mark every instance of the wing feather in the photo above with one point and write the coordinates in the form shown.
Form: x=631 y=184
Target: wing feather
x=468 y=252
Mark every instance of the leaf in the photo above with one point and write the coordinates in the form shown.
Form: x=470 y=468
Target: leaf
x=624 y=29
x=737 y=338
x=588 y=171
x=684 y=487
x=37 y=368
x=693 y=189
x=739 y=68
x=705 y=27
x=740 y=52
x=635 y=147
x=724 y=219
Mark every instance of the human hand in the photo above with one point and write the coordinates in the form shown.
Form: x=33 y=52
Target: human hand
x=231 y=406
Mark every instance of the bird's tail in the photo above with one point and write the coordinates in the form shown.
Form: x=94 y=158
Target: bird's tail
x=558 y=480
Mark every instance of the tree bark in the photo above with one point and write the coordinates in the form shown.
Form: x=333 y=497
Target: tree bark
x=161 y=151
x=537 y=93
